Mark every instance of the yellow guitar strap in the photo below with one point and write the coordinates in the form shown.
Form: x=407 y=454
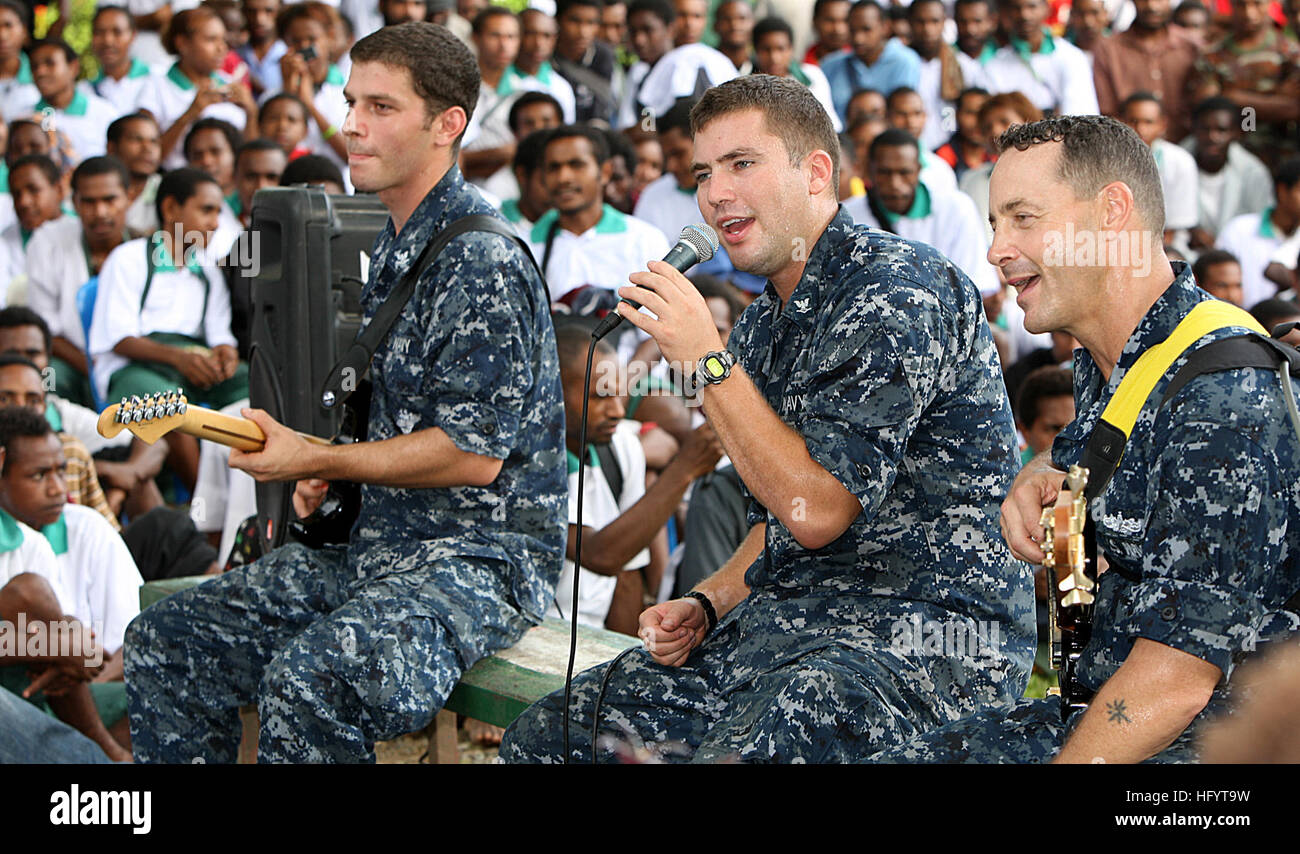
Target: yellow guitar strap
x=1122 y=411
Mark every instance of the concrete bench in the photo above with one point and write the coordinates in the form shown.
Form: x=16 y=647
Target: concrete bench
x=495 y=690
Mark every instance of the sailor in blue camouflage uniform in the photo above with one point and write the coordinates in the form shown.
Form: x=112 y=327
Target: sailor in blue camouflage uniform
x=867 y=418
x=459 y=542
x=1199 y=521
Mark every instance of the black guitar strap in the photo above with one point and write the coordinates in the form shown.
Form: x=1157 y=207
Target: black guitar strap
x=357 y=359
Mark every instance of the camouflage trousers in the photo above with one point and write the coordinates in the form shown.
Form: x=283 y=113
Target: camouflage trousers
x=832 y=703
x=1028 y=731
x=334 y=662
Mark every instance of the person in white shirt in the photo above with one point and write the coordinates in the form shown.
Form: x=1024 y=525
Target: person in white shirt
x=1054 y=74
x=83 y=117
x=37 y=191
x=18 y=93
x=193 y=87
x=581 y=240
x=616 y=528
x=1231 y=180
x=307 y=30
x=1256 y=238
x=489 y=144
x=134 y=140
x=774 y=54
x=941 y=79
x=905 y=110
x=942 y=218
x=538 y=32
x=1143 y=112
x=162 y=313
x=122 y=77
x=58 y=272
x=532 y=201
x=665 y=73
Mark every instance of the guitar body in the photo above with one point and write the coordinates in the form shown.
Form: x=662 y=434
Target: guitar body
x=1071 y=563
x=332 y=522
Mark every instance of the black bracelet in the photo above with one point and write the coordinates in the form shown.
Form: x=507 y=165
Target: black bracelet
x=711 y=614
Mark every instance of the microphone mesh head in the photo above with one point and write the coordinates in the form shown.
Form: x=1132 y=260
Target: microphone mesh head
x=703 y=240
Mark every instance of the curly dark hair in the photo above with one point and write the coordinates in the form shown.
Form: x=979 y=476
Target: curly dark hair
x=1096 y=151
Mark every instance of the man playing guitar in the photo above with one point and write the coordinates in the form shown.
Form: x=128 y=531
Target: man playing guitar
x=461 y=530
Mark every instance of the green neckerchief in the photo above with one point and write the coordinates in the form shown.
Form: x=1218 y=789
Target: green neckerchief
x=236 y=206
x=53 y=417
x=509 y=78
x=920 y=208
x=542 y=76
x=76 y=107
x=176 y=76
x=797 y=72
x=137 y=70
x=335 y=77
x=1266 y=223
x=4 y=177
x=24 y=74
x=572 y=459
x=25 y=235
x=611 y=222
x=57 y=533
x=11 y=536
x=167 y=264
x=987 y=52
x=510 y=210
x=1021 y=46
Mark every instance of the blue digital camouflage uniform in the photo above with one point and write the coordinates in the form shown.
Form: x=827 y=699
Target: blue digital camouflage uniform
x=1198 y=524
x=884 y=363
x=345 y=646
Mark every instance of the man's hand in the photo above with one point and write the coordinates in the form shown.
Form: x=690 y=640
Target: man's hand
x=684 y=330
x=227 y=359
x=208 y=94
x=701 y=451
x=670 y=630
x=1034 y=488
x=198 y=368
x=284 y=456
x=308 y=495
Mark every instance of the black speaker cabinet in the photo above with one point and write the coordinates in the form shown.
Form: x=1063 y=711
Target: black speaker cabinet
x=309 y=248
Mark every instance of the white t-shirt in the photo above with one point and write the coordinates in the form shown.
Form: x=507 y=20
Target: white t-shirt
x=1178 y=179
x=174 y=304
x=667 y=207
x=98 y=575
x=84 y=122
x=605 y=255
x=599 y=508
x=1253 y=239
x=24 y=550
x=1058 y=77
x=169 y=95
x=123 y=94
x=58 y=271
x=676 y=75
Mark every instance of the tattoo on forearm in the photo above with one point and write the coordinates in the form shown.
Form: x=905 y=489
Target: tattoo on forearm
x=1117 y=713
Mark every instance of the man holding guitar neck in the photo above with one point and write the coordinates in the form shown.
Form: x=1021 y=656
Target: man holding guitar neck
x=1198 y=522
x=461 y=532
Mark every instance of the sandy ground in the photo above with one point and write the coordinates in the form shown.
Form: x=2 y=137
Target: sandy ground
x=408 y=749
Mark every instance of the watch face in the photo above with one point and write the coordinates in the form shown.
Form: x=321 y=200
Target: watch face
x=713 y=366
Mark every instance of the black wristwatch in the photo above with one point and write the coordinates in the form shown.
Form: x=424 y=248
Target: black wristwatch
x=714 y=367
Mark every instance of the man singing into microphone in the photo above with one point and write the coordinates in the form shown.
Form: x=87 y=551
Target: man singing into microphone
x=861 y=402
x=460 y=538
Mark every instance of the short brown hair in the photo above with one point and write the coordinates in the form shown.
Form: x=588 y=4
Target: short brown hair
x=1014 y=101
x=443 y=71
x=790 y=111
x=1096 y=150
x=185 y=22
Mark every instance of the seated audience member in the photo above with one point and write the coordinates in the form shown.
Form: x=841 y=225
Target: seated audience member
x=733 y=21
x=37 y=191
x=307 y=30
x=623 y=166
x=620 y=514
x=1044 y=405
x=875 y=62
x=95 y=575
x=162 y=313
x=211 y=145
x=56 y=275
x=583 y=240
x=1058 y=354
x=975 y=46
x=62 y=682
x=125 y=466
x=193 y=87
x=692 y=19
x=532 y=200
x=537 y=34
x=122 y=77
x=900 y=201
x=905 y=110
x=1254 y=238
x=83 y=117
x=1272 y=313
x=1052 y=73
x=1089 y=25
x=283 y=118
x=264 y=49
x=774 y=54
x=133 y=139
x=665 y=73
x=1219 y=273
x=1192 y=18
x=531 y=112
x=1151 y=56
x=314 y=170
x=18 y=94
x=965 y=149
x=863 y=130
x=941 y=80
x=867 y=102
x=998 y=113
x=649 y=163
x=1143 y=112
x=259 y=163
x=588 y=64
x=830 y=21
x=1230 y=180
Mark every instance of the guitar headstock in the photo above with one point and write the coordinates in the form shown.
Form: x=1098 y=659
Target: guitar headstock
x=149 y=417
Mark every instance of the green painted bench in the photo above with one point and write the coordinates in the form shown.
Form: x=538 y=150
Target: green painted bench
x=495 y=690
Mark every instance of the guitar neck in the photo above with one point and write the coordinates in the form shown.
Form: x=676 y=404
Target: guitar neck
x=229 y=430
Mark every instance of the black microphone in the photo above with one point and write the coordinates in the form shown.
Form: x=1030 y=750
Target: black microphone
x=696 y=245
